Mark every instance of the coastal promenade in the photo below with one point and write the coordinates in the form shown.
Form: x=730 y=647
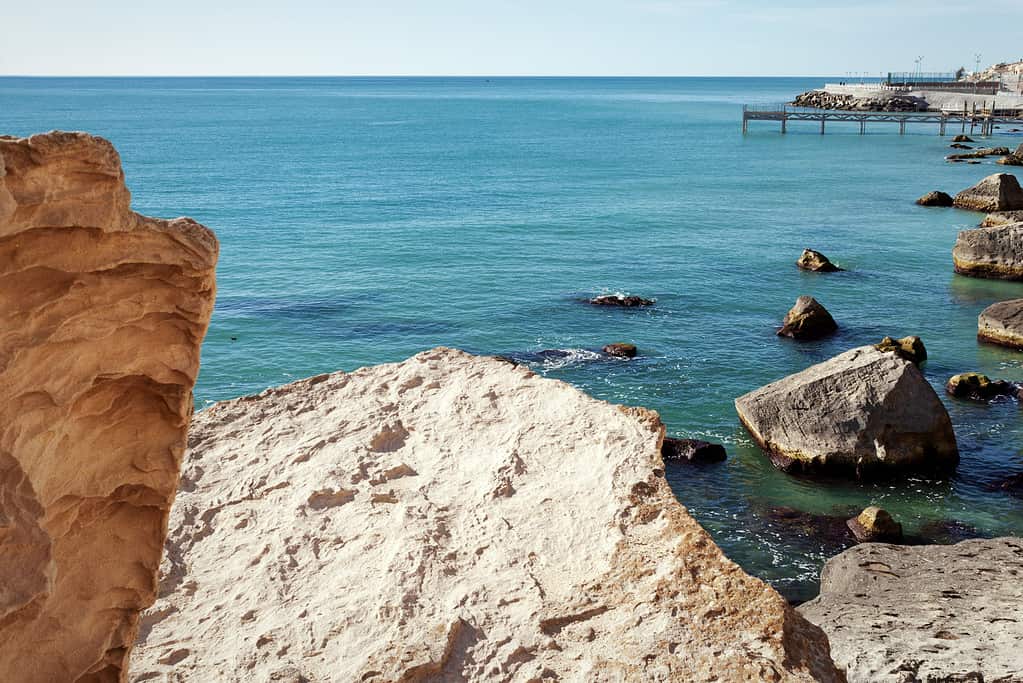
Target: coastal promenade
x=784 y=113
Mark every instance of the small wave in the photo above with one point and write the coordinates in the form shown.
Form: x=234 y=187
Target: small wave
x=555 y=359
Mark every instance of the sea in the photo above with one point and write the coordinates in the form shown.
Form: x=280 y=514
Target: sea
x=363 y=220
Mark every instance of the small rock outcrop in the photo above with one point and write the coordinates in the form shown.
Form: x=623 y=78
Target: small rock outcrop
x=623 y=300
x=924 y=613
x=911 y=348
x=1015 y=158
x=1002 y=323
x=692 y=450
x=995 y=252
x=620 y=350
x=962 y=138
x=816 y=262
x=864 y=412
x=875 y=525
x=997 y=192
x=1002 y=218
x=935 y=198
x=450 y=517
x=980 y=153
x=807 y=320
x=978 y=387
x=103 y=314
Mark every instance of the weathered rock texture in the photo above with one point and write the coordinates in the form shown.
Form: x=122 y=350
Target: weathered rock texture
x=816 y=262
x=995 y=252
x=1002 y=218
x=997 y=192
x=807 y=319
x=925 y=613
x=1002 y=323
x=864 y=411
x=449 y=518
x=103 y=313
x=935 y=198
x=911 y=348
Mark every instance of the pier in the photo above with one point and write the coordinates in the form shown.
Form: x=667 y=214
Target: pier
x=986 y=120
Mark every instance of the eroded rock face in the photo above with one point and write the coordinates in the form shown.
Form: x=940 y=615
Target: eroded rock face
x=997 y=192
x=995 y=252
x=1002 y=218
x=103 y=313
x=935 y=198
x=924 y=613
x=864 y=412
x=1002 y=323
x=450 y=517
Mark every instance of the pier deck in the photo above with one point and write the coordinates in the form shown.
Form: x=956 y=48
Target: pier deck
x=986 y=120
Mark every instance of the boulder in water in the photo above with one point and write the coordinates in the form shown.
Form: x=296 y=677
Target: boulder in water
x=997 y=192
x=911 y=348
x=995 y=252
x=816 y=262
x=692 y=450
x=864 y=412
x=962 y=138
x=935 y=198
x=978 y=387
x=807 y=320
x=875 y=525
x=620 y=350
x=623 y=300
x=1002 y=323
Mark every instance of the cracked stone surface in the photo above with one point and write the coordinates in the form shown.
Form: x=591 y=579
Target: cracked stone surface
x=450 y=517
x=904 y=614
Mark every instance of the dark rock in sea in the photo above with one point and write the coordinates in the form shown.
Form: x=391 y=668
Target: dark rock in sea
x=807 y=320
x=1012 y=484
x=997 y=192
x=1002 y=323
x=935 y=198
x=875 y=525
x=910 y=614
x=945 y=531
x=911 y=348
x=831 y=531
x=816 y=262
x=962 y=138
x=692 y=450
x=981 y=153
x=977 y=387
x=956 y=145
x=1010 y=160
x=620 y=350
x=621 y=300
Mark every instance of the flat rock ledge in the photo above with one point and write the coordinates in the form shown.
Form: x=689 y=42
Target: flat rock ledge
x=993 y=252
x=865 y=412
x=450 y=517
x=103 y=312
x=1002 y=323
x=898 y=614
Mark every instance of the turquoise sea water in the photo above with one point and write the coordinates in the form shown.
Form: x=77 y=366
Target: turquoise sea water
x=364 y=220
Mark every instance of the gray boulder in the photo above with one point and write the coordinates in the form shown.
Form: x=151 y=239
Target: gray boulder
x=1002 y=323
x=908 y=614
x=864 y=412
x=995 y=252
x=997 y=192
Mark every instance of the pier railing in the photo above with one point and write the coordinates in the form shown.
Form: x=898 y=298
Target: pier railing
x=986 y=119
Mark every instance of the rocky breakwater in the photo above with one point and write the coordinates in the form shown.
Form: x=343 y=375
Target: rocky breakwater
x=865 y=412
x=450 y=517
x=103 y=314
x=924 y=613
x=821 y=99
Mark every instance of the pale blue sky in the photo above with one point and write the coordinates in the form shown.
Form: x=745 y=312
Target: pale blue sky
x=504 y=37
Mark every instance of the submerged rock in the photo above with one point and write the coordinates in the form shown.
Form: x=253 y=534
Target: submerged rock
x=875 y=525
x=995 y=252
x=962 y=138
x=816 y=262
x=357 y=527
x=1002 y=323
x=935 y=198
x=978 y=387
x=623 y=300
x=924 y=613
x=863 y=412
x=620 y=350
x=997 y=192
x=911 y=348
x=103 y=312
x=807 y=320
x=980 y=153
x=692 y=450
x=956 y=145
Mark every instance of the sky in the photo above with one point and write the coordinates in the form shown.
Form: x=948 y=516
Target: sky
x=504 y=37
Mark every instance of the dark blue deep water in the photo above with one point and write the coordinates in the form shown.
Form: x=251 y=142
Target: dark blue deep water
x=364 y=220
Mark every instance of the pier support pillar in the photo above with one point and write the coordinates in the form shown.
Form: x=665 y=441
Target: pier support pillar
x=863 y=126
x=941 y=127
x=822 y=125
x=784 y=121
x=902 y=126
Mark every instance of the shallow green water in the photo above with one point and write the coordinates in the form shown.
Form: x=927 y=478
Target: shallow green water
x=364 y=220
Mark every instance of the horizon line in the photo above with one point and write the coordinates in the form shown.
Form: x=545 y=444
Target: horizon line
x=488 y=76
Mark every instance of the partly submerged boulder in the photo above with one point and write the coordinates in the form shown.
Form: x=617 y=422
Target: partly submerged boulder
x=450 y=517
x=911 y=348
x=807 y=319
x=962 y=138
x=692 y=450
x=623 y=300
x=865 y=412
x=816 y=262
x=620 y=350
x=103 y=314
x=980 y=153
x=1002 y=323
x=978 y=387
x=875 y=525
x=924 y=613
x=995 y=252
x=997 y=192
x=935 y=198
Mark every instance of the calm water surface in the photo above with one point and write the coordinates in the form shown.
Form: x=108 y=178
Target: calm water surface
x=364 y=220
